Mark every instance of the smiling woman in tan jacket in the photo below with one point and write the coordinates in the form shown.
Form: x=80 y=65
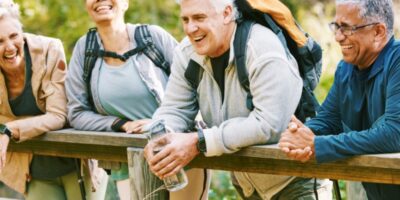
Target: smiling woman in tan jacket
x=32 y=101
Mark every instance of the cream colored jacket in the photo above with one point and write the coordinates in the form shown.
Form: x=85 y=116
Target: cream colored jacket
x=48 y=75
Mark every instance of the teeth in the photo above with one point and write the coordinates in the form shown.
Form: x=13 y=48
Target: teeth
x=100 y=8
x=198 y=38
x=9 y=56
x=347 y=46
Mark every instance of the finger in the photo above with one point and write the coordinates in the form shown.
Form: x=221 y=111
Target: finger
x=149 y=151
x=129 y=131
x=135 y=125
x=173 y=172
x=286 y=145
x=306 y=157
x=292 y=153
x=300 y=154
x=164 y=162
x=285 y=149
x=137 y=130
x=297 y=121
x=169 y=169
x=163 y=153
x=292 y=127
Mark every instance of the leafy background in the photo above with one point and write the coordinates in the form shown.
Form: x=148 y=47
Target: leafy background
x=68 y=20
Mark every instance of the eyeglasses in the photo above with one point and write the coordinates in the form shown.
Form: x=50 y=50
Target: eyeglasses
x=348 y=30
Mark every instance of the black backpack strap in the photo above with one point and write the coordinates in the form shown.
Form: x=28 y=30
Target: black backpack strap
x=144 y=39
x=91 y=47
x=240 y=44
x=193 y=74
x=124 y=57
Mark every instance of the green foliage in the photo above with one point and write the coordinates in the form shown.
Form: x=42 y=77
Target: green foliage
x=68 y=20
x=221 y=187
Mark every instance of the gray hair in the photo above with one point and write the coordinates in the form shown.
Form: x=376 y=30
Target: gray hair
x=10 y=9
x=220 y=5
x=375 y=11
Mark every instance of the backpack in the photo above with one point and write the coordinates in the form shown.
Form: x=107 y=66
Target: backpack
x=279 y=20
x=145 y=45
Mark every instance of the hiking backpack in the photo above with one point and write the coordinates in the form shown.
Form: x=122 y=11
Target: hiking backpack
x=304 y=49
x=144 y=43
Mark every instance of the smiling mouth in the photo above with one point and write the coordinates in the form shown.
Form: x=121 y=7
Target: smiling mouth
x=103 y=8
x=10 y=56
x=199 y=38
x=347 y=46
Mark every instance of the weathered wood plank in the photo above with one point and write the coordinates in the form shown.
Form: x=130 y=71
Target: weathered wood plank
x=334 y=170
x=384 y=168
x=100 y=152
x=144 y=185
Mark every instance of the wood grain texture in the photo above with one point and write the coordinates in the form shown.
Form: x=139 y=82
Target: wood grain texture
x=383 y=168
x=144 y=184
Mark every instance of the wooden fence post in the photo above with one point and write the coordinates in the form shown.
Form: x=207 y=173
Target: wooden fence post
x=142 y=181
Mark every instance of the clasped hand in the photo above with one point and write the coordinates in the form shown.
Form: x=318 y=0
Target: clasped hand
x=297 y=141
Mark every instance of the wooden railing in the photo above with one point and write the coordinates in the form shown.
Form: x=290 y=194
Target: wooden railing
x=382 y=168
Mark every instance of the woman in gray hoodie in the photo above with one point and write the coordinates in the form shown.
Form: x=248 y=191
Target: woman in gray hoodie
x=123 y=93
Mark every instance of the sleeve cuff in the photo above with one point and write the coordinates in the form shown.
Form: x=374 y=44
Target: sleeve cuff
x=211 y=142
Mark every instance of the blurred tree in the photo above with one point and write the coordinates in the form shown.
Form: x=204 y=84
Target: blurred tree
x=68 y=20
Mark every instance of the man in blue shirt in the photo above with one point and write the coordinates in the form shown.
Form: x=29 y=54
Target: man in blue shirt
x=361 y=114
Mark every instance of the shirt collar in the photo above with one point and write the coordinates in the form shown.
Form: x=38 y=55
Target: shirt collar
x=378 y=64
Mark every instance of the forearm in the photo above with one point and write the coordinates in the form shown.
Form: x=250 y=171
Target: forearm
x=30 y=127
x=382 y=139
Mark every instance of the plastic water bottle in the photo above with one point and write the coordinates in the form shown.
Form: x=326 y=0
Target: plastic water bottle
x=177 y=181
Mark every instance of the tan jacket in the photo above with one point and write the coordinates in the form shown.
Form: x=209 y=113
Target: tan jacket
x=48 y=75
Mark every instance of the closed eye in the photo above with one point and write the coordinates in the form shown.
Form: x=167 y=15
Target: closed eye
x=14 y=36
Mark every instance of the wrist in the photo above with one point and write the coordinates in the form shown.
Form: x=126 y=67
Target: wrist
x=5 y=131
x=201 y=141
x=118 y=125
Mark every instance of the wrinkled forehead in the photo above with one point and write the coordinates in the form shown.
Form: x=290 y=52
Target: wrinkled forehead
x=348 y=13
x=10 y=22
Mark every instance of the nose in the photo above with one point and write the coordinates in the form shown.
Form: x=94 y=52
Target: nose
x=339 y=36
x=191 y=27
x=9 y=45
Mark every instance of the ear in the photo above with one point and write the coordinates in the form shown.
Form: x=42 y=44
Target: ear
x=380 y=32
x=228 y=14
x=125 y=5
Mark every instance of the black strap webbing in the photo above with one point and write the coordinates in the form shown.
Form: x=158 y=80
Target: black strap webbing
x=91 y=46
x=240 y=44
x=90 y=59
x=143 y=38
x=193 y=74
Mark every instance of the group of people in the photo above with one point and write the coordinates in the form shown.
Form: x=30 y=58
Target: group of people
x=360 y=115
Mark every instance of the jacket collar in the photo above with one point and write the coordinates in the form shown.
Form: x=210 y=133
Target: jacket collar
x=203 y=60
x=379 y=63
x=37 y=47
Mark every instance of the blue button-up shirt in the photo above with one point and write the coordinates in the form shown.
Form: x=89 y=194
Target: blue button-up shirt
x=361 y=114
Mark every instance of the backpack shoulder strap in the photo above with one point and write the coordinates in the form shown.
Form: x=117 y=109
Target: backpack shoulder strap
x=240 y=47
x=91 y=48
x=144 y=39
x=91 y=54
x=193 y=74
